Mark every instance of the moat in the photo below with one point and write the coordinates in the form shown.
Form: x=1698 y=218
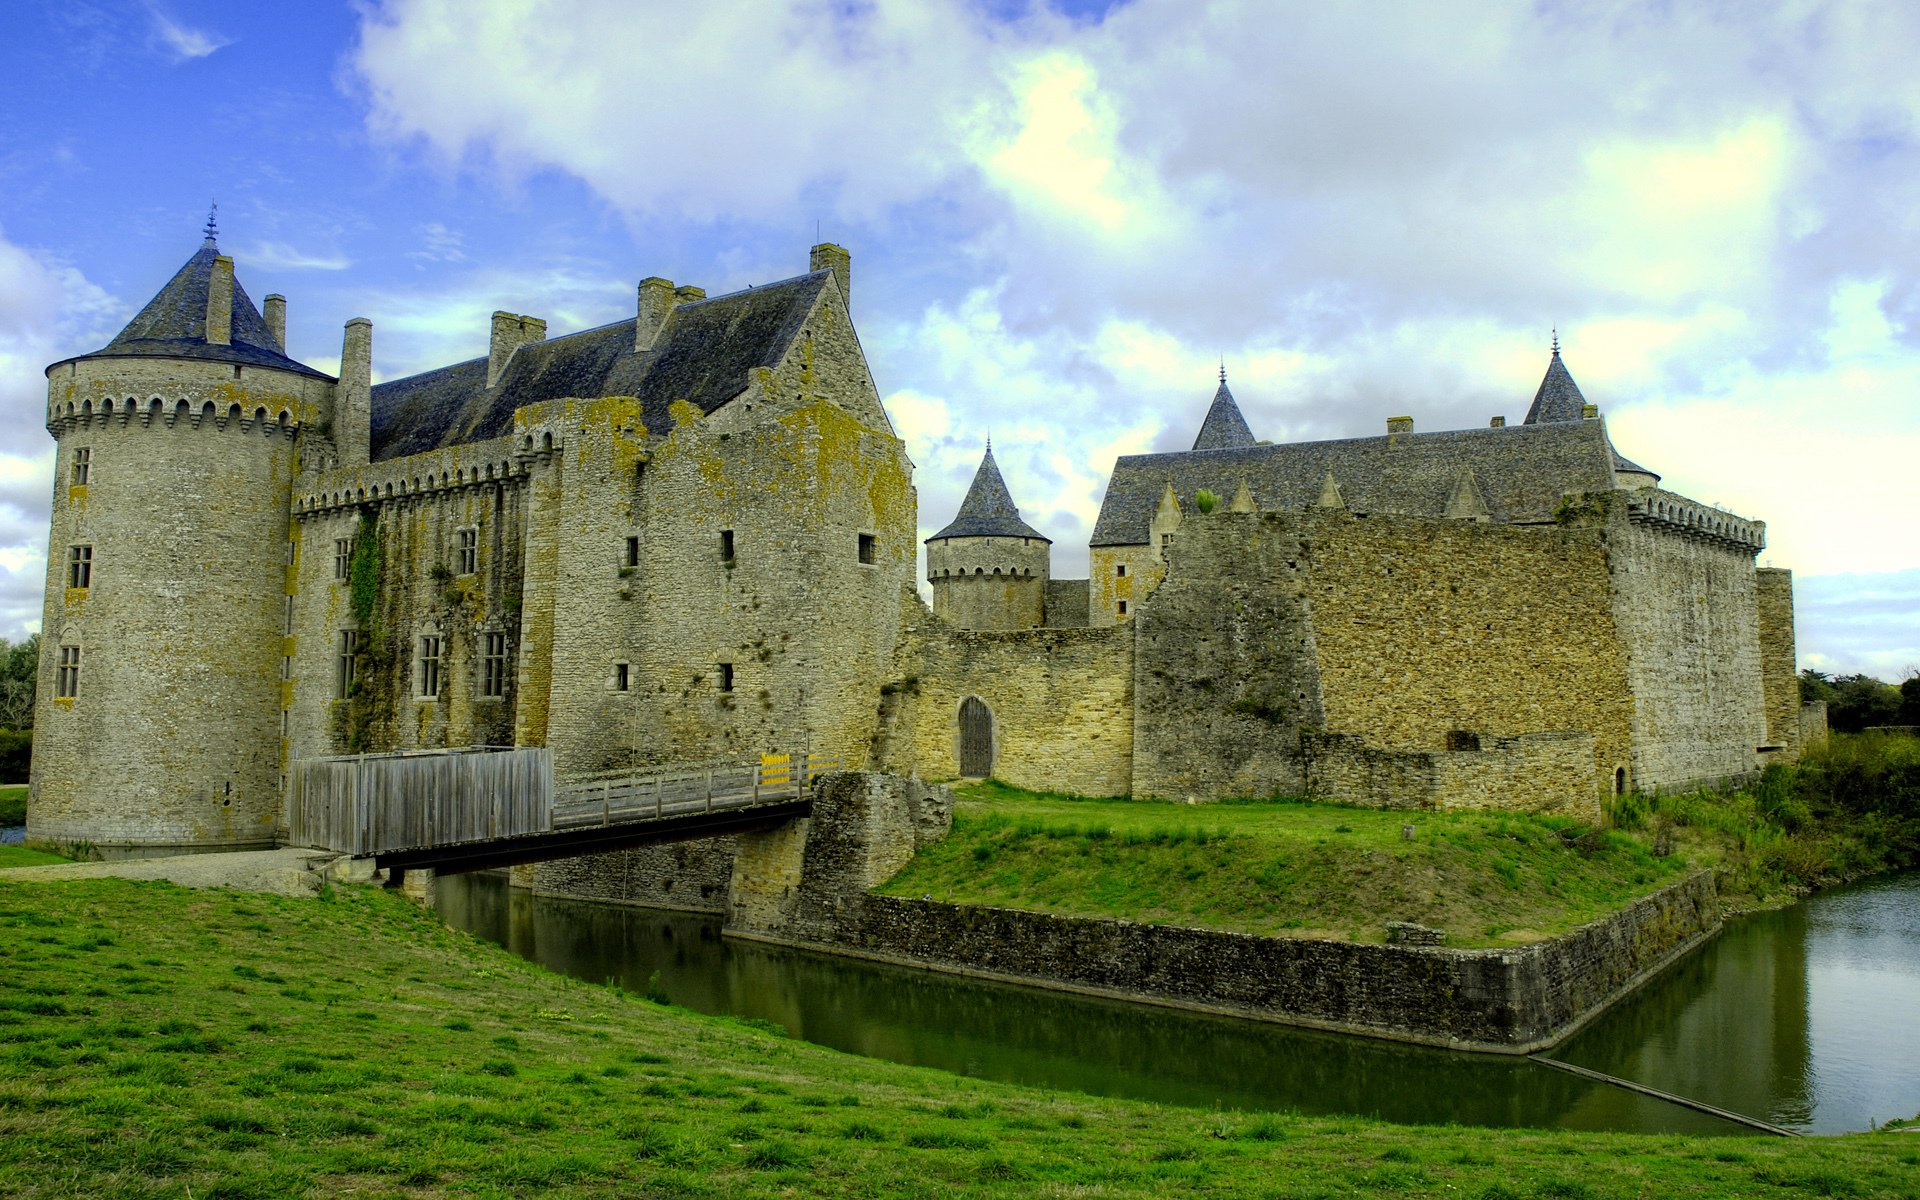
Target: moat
x=1797 y=1017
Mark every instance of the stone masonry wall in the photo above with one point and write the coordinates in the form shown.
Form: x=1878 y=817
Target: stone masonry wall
x=1226 y=676
x=1541 y=772
x=1779 y=680
x=813 y=889
x=1687 y=613
x=418 y=508
x=1062 y=704
x=692 y=876
x=1426 y=627
x=173 y=740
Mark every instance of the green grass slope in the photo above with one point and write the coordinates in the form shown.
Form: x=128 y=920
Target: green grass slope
x=157 y=1042
x=1284 y=867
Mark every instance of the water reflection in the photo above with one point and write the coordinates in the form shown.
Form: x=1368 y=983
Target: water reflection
x=1029 y=1036
x=1803 y=1017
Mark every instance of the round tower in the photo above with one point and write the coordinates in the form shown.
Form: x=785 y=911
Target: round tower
x=989 y=568
x=158 y=726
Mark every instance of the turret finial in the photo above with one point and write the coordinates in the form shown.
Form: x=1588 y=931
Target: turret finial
x=213 y=222
x=1556 y=341
x=1223 y=370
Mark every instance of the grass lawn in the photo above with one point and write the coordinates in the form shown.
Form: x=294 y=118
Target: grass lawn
x=13 y=805
x=1284 y=867
x=21 y=856
x=160 y=1042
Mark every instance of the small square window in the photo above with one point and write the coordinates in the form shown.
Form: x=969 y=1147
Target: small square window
x=726 y=677
x=1121 y=570
x=342 y=557
x=469 y=551
x=866 y=548
x=82 y=465
x=726 y=545
x=1166 y=542
x=1123 y=608
x=622 y=676
x=79 y=566
x=346 y=667
x=493 y=680
x=633 y=550
x=67 y=685
x=429 y=664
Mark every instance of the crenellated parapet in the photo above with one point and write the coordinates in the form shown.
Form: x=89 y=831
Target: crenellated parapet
x=1666 y=510
x=438 y=472
x=280 y=420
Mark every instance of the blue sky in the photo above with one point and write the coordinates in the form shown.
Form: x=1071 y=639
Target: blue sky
x=1061 y=218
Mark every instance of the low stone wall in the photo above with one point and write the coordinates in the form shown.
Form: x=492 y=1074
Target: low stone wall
x=1514 y=1000
x=1536 y=772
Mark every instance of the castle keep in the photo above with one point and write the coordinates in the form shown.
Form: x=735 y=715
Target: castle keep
x=689 y=535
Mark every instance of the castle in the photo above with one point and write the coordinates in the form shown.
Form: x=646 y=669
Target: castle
x=690 y=535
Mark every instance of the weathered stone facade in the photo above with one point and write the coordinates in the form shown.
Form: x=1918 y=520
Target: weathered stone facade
x=688 y=537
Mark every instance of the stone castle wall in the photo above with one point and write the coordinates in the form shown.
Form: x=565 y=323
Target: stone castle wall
x=989 y=582
x=1062 y=702
x=1427 y=627
x=1779 y=681
x=173 y=741
x=411 y=513
x=692 y=876
x=1226 y=675
x=1686 y=608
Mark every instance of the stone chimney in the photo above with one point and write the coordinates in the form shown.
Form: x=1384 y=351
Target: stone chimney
x=829 y=257
x=687 y=293
x=510 y=332
x=1497 y=423
x=1399 y=425
x=656 y=305
x=1589 y=411
x=353 y=395
x=220 y=302
x=276 y=314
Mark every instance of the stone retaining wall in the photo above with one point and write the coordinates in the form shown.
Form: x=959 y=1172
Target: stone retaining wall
x=1515 y=1000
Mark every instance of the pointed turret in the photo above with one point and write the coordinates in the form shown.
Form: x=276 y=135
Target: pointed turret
x=1224 y=427
x=988 y=510
x=1559 y=399
x=988 y=567
x=202 y=313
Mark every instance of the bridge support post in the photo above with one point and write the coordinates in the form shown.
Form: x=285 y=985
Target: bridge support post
x=419 y=884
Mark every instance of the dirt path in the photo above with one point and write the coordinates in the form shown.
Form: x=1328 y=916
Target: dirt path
x=287 y=872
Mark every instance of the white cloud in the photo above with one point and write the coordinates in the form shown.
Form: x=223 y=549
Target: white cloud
x=279 y=256
x=182 y=42
x=1369 y=209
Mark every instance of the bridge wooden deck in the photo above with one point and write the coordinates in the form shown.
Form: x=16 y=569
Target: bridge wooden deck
x=456 y=811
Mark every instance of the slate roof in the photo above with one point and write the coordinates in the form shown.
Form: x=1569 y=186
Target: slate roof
x=174 y=325
x=1559 y=399
x=989 y=510
x=1522 y=472
x=1224 y=426
x=701 y=356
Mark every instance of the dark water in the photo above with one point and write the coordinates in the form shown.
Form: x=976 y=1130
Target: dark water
x=1804 y=1018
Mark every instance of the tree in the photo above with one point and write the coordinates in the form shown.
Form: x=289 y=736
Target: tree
x=19 y=671
x=1910 y=698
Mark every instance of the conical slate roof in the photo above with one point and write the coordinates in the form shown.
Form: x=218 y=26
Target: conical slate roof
x=174 y=325
x=1559 y=397
x=1224 y=427
x=989 y=510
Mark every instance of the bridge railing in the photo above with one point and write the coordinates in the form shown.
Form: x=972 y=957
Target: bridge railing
x=370 y=803
x=610 y=797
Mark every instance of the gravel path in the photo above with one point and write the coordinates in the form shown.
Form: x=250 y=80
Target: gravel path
x=289 y=872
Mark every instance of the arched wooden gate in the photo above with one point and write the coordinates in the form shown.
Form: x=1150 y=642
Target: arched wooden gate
x=976 y=738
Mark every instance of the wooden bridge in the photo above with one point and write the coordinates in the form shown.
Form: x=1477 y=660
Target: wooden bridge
x=487 y=806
